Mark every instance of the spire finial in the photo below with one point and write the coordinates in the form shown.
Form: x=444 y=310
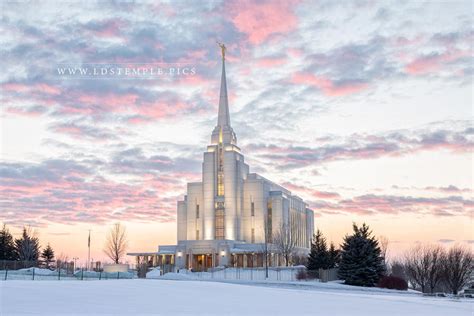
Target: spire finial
x=223 y=49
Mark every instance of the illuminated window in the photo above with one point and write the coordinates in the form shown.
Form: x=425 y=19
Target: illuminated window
x=269 y=219
x=220 y=173
x=220 y=184
x=197 y=210
x=252 y=209
x=220 y=228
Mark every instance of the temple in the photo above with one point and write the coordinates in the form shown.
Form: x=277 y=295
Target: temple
x=230 y=218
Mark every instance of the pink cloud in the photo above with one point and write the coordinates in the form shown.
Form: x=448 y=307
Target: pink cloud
x=37 y=87
x=311 y=193
x=68 y=199
x=260 y=20
x=109 y=100
x=433 y=62
x=150 y=111
x=371 y=204
x=15 y=87
x=111 y=28
x=327 y=86
x=28 y=112
x=48 y=89
x=295 y=52
x=270 y=62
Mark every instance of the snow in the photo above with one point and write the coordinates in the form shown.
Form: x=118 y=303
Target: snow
x=38 y=271
x=103 y=275
x=154 y=274
x=191 y=297
x=27 y=274
x=251 y=274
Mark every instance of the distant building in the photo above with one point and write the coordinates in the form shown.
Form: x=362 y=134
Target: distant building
x=222 y=219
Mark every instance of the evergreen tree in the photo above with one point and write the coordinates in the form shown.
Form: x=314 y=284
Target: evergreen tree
x=318 y=257
x=361 y=261
x=7 y=245
x=27 y=247
x=48 y=255
x=334 y=256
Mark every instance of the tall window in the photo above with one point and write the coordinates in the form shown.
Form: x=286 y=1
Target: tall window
x=197 y=234
x=197 y=210
x=253 y=235
x=252 y=209
x=220 y=184
x=269 y=219
x=220 y=173
x=220 y=229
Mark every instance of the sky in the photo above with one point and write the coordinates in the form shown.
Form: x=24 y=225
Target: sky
x=362 y=108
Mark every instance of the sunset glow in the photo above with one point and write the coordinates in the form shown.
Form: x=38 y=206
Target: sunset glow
x=364 y=109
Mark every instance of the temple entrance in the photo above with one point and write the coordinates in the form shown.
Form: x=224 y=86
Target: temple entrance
x=202 y=262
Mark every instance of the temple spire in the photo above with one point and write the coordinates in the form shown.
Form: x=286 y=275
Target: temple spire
x=223 y=132
x=223 y=119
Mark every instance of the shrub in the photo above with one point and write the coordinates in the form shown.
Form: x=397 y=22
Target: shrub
x=301 y=275
x=393 y=282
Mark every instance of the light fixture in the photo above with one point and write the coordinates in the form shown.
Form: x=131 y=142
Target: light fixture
x=180 y=254
x=223 y=253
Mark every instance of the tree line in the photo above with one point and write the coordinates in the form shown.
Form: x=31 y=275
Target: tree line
x=25 y=249
x=431 y=268
x=361 y=260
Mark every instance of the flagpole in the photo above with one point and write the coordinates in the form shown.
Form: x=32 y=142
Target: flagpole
x=89 y=251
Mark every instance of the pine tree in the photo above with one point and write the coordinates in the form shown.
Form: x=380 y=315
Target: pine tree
x=318 y=257
x=27 y=247
x=48 y=255
x=7 y=245
x=361 y=261
x=334 y=256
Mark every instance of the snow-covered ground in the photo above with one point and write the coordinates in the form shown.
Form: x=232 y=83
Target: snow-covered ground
x=188 y=297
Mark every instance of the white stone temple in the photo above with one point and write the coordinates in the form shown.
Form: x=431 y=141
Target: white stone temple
x=222 y=220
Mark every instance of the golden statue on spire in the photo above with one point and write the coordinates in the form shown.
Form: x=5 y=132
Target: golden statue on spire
x=223 y=49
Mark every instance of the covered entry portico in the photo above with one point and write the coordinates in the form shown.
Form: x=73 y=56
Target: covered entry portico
x=202 y=255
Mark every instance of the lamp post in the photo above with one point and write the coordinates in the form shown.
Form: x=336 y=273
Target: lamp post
x=180 y=254
x=89 y=251
x=266 y=247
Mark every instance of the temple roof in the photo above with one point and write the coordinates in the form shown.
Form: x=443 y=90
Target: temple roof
x=223 y=119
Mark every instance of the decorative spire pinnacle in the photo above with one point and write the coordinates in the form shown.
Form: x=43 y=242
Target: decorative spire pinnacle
x=223 y=49
x=223 y=118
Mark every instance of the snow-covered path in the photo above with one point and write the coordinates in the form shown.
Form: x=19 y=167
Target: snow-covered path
x=166 y=297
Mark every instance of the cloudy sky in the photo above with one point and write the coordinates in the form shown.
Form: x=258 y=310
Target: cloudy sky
x=363 y=108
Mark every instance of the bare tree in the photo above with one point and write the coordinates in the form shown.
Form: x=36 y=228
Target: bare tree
x=383 y=243
x=423 y=266
x=116 y=243
x=266 y=246
x=61 y=260
x=284 y=240
x=457 y=268
x=435 y=269
x=417 y=261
